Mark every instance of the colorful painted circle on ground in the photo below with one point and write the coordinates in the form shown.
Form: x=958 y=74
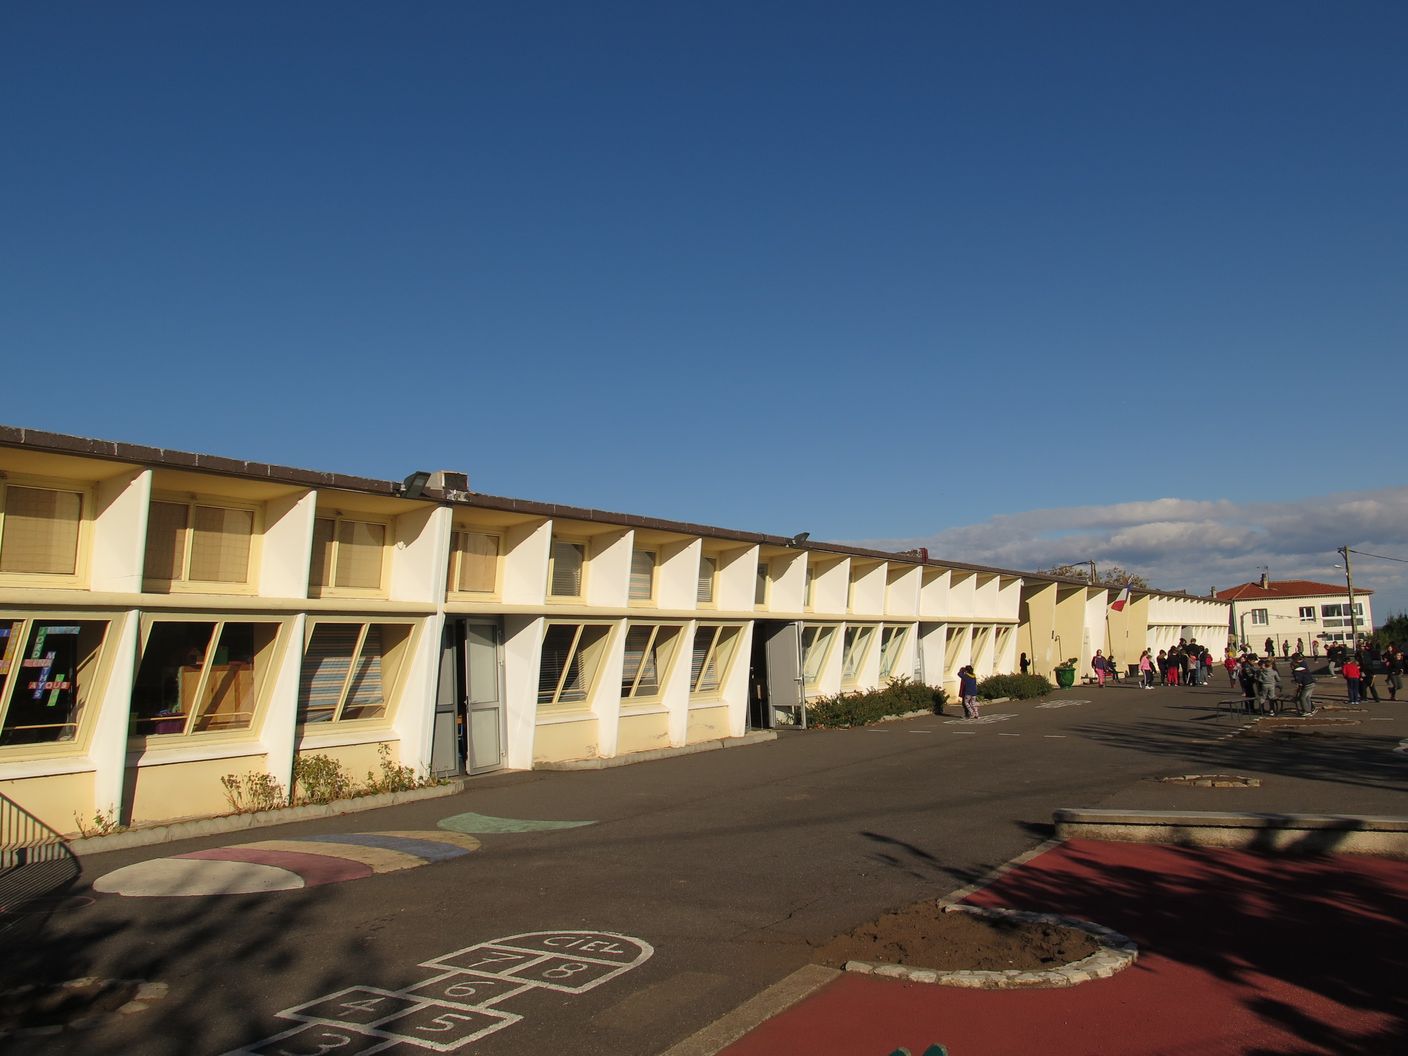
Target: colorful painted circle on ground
x=284 y=865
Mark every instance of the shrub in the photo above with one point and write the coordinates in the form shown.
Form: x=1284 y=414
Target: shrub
x=1018 y=687
x=254 y=791
x=393 y=778
x=862 y=707
x=104 y=823
x=320 y=779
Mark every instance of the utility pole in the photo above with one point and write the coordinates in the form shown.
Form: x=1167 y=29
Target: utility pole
x=1349 y=585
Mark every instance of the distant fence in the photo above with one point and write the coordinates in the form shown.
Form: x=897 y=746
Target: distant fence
x=34 y=859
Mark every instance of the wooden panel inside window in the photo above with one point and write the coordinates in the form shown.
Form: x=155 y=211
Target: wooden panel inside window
x=166 y=541
x=320 y=568
x=479 y=560
x=220 y=544
x=41 y=531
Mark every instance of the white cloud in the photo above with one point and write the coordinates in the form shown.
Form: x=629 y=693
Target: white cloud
x=1194 y=545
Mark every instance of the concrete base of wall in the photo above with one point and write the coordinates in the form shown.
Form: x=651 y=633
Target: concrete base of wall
x=1293 y=833
x=755 y=737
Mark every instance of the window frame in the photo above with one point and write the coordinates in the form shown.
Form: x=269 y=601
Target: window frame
x=1260 y=617
x=391 y=688
x=830 y=630
x=454 y=571
x=338 y=517
x=1307 y=613
x=584 y=706
x=892 y=639
x=712 y=580
x=632 y=696
x=711 y=652
x=575 y=541
x=263 y=685
x=96 y=686
x=856 y=652
x=184 y=584
x=82 y=546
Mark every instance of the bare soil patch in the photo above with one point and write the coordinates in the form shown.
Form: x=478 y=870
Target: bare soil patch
x=924 y=936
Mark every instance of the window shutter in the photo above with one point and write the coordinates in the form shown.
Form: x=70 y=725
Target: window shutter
x=642 y=575
x=359 y=554
x=557 y=652
x=567 y=561
x=707 y=568
x=366 y=697
x=220 y=545
x=700 y=677
x=325 y=667
x=41 y=531
x=166 y=541
x=320 y=567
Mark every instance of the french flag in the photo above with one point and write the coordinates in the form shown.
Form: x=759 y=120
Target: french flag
x=1119 y=603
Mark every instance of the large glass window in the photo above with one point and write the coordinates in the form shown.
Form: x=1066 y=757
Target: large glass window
x=350 y=670
x=857 y=645
x=198 y=676
x=891 y=642
x=193 y=542
x=347 y=554
x=46 y=671
x=474 y=562
x=571 y=655
x=39 y=530
x=816 y=643
x=565 y=574
x=714 y=646
x=649 y=650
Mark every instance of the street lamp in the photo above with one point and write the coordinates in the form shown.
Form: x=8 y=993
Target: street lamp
x=1349 y=586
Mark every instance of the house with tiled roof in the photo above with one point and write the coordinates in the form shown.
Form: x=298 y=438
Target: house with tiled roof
x=1297 y=614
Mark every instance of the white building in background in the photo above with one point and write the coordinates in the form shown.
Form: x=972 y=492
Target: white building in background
x=169 y=619
x=1296 y=612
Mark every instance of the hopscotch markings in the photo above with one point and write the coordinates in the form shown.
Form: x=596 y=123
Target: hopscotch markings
x=981 y=720
x=455 y=1008
x=1062 y=703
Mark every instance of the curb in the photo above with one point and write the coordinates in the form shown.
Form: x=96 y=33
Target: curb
x=1299 y=833
x=1117 y=952
x=631 y=758
x=186 y=830
x=775 y=999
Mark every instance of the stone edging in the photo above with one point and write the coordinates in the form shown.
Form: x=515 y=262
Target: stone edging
x=146 y=995
x=1117 y=952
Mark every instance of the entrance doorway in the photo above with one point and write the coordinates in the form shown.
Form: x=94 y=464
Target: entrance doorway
x=775 y=696
x=468 y=737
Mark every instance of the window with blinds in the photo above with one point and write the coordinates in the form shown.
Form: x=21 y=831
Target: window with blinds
x=570 y=657
x=807 y=588
x=565 y=574
x=708 y=569
x=710 y=657
x=857 y=645
x=349 y=671
x=642 y=586
x=347 y=554
x=474 y=563
x=196 y=542
x=891 y=643
x=46 y=669
x=649 y=650
x=760 y=588
x=201 y=676
x=39 y=530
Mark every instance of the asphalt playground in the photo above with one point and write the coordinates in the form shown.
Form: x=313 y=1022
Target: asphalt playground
x=652 y=908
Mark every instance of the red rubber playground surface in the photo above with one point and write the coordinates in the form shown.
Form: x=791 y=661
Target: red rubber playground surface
x=1238 y=953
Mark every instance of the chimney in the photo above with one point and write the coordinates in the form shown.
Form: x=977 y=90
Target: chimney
x=1265 y=581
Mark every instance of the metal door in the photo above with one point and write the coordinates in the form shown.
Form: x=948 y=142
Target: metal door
x=484 y=697
x=786 y=702
x=446 y=753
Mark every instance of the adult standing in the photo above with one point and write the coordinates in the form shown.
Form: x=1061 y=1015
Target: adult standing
x=1098 y=663
x=1315 y=648
x=1300 y=646
x=1270 y=647
x=1351 y=672
x=1393 y=680
x=1024 y=663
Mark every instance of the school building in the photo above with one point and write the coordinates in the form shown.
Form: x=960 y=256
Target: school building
x=170 y=618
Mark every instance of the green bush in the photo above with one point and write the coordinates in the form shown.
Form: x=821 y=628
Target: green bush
x=320 y=779
x=393 y=778
x=1018 y=687
x=253 y=792
x=860 y=708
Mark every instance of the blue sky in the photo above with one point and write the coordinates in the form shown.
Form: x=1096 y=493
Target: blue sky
x=869 y=271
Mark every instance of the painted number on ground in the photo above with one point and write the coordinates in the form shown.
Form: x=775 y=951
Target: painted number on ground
x=457 y=1007
x=1062 y=703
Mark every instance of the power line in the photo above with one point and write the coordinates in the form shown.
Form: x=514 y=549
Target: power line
x=1381 y=557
